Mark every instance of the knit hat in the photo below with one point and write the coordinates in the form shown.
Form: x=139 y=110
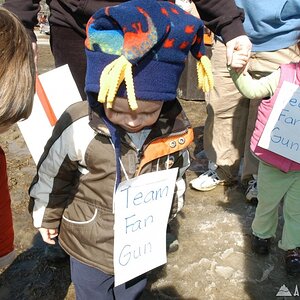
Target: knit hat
x=138 y=49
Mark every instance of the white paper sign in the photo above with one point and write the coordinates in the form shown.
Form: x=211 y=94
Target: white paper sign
x=61 y=91
x=282 y=131
x=142 y=208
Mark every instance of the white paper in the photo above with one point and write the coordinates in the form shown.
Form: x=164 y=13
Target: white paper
x=281 y=133
x=142 y=208
x=61 y=91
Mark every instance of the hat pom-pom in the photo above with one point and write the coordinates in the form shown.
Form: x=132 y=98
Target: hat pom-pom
x=204 y=72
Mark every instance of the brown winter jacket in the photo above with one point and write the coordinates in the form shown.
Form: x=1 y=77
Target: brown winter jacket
x=221 y=16
x=74 y=185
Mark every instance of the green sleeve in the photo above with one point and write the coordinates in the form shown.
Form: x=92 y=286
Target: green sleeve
x=255 y=89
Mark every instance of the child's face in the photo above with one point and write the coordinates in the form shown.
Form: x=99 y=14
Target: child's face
x=145 y=115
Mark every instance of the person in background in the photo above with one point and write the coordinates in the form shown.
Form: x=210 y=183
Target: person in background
x=43 y=24
x=273 y=31
x=17 y=84
x=68 y=20
x=278 y=175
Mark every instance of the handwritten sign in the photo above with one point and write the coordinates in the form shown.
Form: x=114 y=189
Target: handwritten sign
x=281 y=133
x=142 y=208
x=59 y=88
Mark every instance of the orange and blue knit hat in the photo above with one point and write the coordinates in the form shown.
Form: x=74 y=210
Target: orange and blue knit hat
x=138 y=49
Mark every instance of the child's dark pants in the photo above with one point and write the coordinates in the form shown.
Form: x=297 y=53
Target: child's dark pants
x=91 y=283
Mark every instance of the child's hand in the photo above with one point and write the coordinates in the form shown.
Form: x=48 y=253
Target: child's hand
x=239 y=60
x=240 y=43
x=48 y=235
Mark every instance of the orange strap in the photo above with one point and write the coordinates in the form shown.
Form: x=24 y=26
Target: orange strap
x=45 y=102
x=161 y=147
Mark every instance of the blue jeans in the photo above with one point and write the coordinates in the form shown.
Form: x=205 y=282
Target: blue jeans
x=91 y=284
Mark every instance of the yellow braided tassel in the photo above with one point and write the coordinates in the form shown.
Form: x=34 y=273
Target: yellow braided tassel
x=111 y=78
x=116 y=76
x=130 y=87
x=204 y=72
x=206 y=85
x=105 y=82
x=200 y=74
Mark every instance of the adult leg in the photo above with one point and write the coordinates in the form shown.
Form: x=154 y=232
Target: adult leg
x=225 y=125
x=7 y=253
x=67 y=47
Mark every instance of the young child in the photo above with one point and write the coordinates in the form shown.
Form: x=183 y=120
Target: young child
x=278 y=176
x=122 y=131
x=17 y=77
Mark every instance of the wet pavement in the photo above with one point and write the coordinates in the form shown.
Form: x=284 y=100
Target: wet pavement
x=214 y=259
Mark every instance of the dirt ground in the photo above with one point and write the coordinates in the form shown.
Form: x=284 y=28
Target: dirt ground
x=214 y=260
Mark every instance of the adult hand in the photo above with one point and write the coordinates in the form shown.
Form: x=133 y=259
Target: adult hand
x=240 y=43
x=48 y=235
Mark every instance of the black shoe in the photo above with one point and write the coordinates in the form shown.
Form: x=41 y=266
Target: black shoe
x=260 y=246
x=292 y=261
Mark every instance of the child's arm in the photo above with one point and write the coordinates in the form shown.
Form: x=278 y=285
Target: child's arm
x=52 y=186
x=251 y=88
x=57 y=170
